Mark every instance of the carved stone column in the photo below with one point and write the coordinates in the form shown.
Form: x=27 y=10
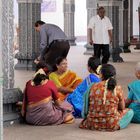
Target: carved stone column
x=10 y=95
x=91 y=6
x=69 y=10
x=138 y=43
x=29 y=13
x=130 y=18
x=125 y=26
x=7 y=44
x=1 y=75
x=121 y=31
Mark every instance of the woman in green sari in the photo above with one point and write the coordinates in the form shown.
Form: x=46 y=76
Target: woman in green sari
x=133 y=99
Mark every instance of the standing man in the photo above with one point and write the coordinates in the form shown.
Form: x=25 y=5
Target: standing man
x=53 y=43
x=100 y=34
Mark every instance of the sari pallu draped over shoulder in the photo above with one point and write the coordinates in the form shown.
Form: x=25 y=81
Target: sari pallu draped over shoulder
x=76 y=98
x=68 y=79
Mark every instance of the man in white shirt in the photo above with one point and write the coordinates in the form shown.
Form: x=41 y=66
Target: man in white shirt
x=100 y=34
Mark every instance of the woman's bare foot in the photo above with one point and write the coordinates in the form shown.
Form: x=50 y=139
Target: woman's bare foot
x=69 y=119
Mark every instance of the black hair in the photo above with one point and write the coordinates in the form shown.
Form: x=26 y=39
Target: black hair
x=44 y=66
x=101 y=8
x=39 y=22
x=108 y=72
x=41 y=65
x=38 y=78
x=93 y=63
x=57 y=62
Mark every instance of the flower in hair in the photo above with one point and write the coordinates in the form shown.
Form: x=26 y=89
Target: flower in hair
x=99 y=69
x=105 y=91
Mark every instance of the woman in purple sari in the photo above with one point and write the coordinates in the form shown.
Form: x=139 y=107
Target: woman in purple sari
x=41 y=105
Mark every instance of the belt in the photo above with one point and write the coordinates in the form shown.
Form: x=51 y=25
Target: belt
x=60 y=40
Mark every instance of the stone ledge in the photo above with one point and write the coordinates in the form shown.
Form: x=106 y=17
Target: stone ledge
x=10 y=111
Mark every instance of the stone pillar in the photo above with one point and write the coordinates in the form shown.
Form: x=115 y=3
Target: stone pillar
x=10 y=95
x=112 y=11
x=125 y=26
x=138 y=43
x=121 y=41
x=29 y=13
x=1 y=74
x=130 y=19
x=69 y=10
x=91 y=6
x=7 y=44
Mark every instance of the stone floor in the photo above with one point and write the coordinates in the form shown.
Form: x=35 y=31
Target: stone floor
x=77 y=62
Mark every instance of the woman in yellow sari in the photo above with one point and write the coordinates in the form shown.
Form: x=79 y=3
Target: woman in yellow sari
x=66 y=80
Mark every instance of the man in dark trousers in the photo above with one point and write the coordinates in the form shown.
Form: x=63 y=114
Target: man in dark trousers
x=100 y=34
x=53 y=43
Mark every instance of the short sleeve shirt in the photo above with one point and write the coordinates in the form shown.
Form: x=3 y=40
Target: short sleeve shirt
x=100 y=29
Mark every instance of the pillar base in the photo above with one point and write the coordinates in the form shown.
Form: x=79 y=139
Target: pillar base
x=72 y=41
x=125 y=47
x=25 y=64
x=89 y=49
x=116 y=54
x=137 y=46
x=10 y=111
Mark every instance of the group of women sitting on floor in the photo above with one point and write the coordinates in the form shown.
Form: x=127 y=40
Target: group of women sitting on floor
x=60 y=96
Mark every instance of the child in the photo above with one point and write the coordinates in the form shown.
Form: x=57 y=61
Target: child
x=133 y=99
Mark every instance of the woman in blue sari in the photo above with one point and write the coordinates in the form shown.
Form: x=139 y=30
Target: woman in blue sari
x=76 y=97
x=133 y=99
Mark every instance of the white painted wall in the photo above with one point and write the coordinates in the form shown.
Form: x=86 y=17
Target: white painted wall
x=58 y=16
x=55 y=17
x=80 y=18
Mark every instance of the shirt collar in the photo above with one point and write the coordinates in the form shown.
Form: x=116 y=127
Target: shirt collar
x=100 y=17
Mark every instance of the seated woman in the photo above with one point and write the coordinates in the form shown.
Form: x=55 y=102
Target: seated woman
x=76 y=97
x=106 y=108
x=133 y=99
x=41 y=105
x=65 y=80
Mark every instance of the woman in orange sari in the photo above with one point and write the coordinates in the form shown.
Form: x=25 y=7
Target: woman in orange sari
x=65 y=80
x=41 y=105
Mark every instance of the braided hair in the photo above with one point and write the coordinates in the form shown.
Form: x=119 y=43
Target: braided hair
x=108 y=72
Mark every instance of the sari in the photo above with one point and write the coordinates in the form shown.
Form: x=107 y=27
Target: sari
x=134 y=96
x=68 y=79
x=76 y=97
x=105 y=116
x=39 y=106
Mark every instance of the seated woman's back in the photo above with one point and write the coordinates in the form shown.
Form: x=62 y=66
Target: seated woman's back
x=77 y=96
x=41 y=105
x=105 y=105
x=106 y=108
x=37 y=93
